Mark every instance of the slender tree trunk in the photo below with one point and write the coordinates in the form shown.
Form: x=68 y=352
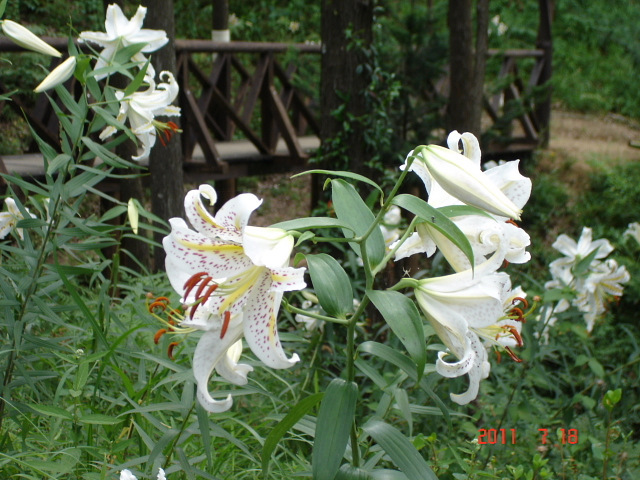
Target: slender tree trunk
x=467 y=64
x=346 y=35
x=165 y=163
x=545 y=42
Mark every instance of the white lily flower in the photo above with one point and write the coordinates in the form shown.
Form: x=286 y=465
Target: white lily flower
x=390 y=223
x=26 y=39
x=462 y=177
x=58 y=75
x=600 y=285
x=463 y=308
x=10 y=218
x=127 y=475
x=141 y=108
x=574 y=252
x=485 y=233
x=236 y=273
x=633 y=230
x=121 y=33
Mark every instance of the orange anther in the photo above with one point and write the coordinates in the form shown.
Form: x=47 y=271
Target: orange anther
x=519 y=314
x=225 y=324
x=205 y=281
x=522 y=300
x=513 y=355
x=159 y=333
x=516 y=334
x=191 y=282
x=172 y=345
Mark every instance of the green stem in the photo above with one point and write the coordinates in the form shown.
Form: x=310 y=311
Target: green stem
x=177 y=437
x=393 y=251
x=292 y=309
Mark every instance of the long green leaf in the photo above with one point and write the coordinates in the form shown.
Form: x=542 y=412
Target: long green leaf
x=352 y=210
x=437 y=220
x=332 y=428
x=400 y=449
x=311 y=222
x=404 y=319
x=331 y=284
x=295 y=414
x=52 y=411
x=344 y=174
x=390 y=355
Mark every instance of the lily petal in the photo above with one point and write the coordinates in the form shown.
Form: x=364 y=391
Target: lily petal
x=260 y=327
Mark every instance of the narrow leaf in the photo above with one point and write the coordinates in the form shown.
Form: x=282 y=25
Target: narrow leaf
x=351 y=175
x=303 y=407
x=310 y=222
x=52 y=411
x=404 y=319
x=400 y=449
x=99 y=419
x=332 y=428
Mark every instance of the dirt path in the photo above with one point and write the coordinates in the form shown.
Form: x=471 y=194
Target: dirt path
x=593 y=137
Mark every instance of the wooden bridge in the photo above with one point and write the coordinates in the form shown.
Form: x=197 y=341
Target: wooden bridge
x=243 y=113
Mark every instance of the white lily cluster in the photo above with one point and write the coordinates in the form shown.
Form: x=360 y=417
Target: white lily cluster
x=474 y=308
x=10 y=219
x=594 y=283
x=633 y=231
x=127 y=475
x=231 y=277
x=139 y=108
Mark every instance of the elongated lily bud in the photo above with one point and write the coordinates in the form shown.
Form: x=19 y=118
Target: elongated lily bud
x=25 y=38
x=463 y=179
x=58 y=75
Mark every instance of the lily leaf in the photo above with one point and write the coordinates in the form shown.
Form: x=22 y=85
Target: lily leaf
x=404 y=319
x=400 y=449
x=335 y=419
x=437 y=220
x=352 y=210
x=344 y=174
x=303 y=407
x=331 y=284
x=310 y=222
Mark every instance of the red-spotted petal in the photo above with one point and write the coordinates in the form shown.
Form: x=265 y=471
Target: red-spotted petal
x=211 y=349
x=287 y=279
x=260 y=326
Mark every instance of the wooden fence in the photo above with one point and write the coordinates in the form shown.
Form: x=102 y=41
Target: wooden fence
x=242 y=113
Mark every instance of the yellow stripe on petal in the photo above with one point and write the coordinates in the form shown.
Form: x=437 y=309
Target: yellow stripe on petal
x=204 y=214
x=210 y=248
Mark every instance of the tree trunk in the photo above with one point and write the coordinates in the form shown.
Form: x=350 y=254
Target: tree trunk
x=545 y=42
x=467 y=65
x=165 y=163
x=346 y=35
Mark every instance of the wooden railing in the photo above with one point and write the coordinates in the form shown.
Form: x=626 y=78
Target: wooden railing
x=246 y=94
x=243 y=115
x=241 y=112
x=515 y=123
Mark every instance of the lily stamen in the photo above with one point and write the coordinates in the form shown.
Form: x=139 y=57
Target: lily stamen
x=521 y=300
x=515 y=334
x=513 y=355
x=225 y=324
x=158 y=335
x=172 y=345
x=191 y=282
